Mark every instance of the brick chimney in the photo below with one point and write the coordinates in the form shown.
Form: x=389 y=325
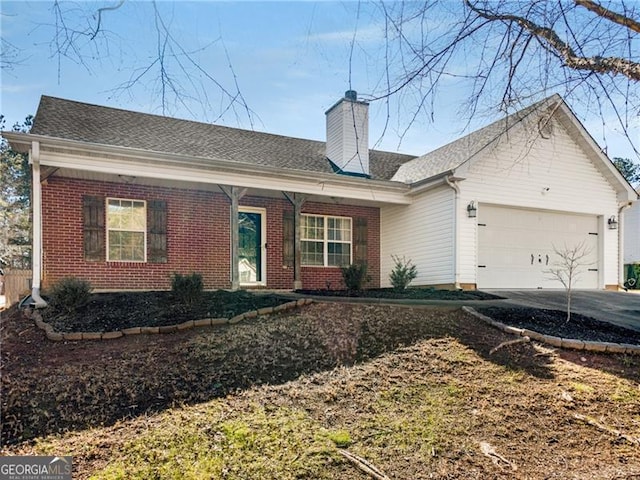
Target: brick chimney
x=348 y=135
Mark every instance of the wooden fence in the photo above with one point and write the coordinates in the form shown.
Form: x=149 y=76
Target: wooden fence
x=17 y=284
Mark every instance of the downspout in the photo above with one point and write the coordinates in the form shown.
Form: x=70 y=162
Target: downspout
x=36 y=205
x=621 y=244
x=456 y=233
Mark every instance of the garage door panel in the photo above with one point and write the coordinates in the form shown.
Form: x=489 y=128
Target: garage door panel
x=516 y=248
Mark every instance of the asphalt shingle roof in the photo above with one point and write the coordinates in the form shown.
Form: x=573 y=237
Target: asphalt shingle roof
x=83 y=122
x=452 y=155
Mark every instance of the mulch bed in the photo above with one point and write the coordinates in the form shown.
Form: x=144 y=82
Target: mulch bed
x=107 y=312
x=554 y=322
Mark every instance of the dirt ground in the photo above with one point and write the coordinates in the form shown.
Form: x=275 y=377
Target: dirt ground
x=524 y=411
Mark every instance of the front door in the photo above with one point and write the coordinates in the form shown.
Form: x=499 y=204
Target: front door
x=252 y=246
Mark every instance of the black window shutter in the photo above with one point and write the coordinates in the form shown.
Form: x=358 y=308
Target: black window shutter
x=93 y=213
x=360 y=252
x=288 y=238
x=157 y=231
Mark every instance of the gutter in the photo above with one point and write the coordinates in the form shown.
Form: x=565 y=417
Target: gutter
x=142 y=156
x=36 y=206
x=451 y=181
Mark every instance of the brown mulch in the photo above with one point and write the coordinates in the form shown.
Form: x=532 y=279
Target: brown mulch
x=332 y=360
x=554 y=322
x=109 y=312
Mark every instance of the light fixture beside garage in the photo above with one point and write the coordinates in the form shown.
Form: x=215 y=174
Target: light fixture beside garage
x=472 y=210
x=613 y=223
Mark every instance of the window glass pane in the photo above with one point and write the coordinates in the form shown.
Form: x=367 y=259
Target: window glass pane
x=312 y=227
x=138 y=249
x=126 y=215
x=339 y=254
x=339 y=229
x=113 y=214
x=312 y=253
x=138 y=218
x=126 y=223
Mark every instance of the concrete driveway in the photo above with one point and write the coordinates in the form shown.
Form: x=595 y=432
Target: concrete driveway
x=620 y=308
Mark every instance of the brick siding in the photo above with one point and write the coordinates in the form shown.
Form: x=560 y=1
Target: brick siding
x=197 y=238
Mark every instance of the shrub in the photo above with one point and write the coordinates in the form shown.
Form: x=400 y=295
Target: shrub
x=403 y=273
x=355 y=276
x=70 y=294
x=187 y=289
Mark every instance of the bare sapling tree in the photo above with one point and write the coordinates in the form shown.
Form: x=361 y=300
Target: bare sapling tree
x=569 y=265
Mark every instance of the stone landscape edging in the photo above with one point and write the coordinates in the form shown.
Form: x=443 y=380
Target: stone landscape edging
x=568 y=343
x=125 y=332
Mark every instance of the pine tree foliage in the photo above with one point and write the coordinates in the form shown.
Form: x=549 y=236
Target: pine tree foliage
x=15 y=202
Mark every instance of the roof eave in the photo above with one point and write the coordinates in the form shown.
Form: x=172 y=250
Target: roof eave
x=24 y=141
x=624 y=190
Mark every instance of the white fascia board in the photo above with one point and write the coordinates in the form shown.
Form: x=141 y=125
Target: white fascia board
x=433 y=182
x=139 y=163
x=623 y=188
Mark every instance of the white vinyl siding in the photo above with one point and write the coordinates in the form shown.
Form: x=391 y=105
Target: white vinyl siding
x=422 y=232
x=549 y=174
x=348 y=136
x=631 y=219
x=326 y=241
x=126 y=230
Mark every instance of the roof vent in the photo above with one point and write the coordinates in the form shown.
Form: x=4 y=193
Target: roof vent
x=351 y=95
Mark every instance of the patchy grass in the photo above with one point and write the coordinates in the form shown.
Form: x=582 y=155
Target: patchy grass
x=412 y=390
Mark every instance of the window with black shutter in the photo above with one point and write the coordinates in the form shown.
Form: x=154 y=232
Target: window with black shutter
x=288 y=238
x=157 y=231
x=93 y=213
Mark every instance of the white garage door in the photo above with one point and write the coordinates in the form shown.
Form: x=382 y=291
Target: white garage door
x=516 y=247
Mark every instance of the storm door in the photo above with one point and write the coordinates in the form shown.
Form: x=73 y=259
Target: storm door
x=252 y=246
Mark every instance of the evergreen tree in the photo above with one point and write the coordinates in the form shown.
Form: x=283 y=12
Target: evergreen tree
x=15 y=202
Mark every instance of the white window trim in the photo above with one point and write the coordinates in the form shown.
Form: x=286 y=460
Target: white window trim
x=325 y=240
x=107 y=229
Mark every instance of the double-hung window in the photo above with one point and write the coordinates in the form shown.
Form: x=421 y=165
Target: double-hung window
x=326 y=241
x=126 y=230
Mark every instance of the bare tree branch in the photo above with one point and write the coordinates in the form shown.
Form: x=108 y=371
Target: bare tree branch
x=603 y=12
x=99 y=15
x=615 y=65
x=509 y=53
x=172 y=71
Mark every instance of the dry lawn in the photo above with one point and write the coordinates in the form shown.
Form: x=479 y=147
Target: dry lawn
x=414 y=391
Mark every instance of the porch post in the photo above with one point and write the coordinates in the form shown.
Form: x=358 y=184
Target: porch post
x=36 y=254
x=234 y=194
x=297 y=200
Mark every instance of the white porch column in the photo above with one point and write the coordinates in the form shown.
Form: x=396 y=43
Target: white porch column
x=36 y=206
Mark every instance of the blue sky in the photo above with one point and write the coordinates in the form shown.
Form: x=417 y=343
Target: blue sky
x=290 y=60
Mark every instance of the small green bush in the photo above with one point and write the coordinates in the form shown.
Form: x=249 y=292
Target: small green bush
x=70 y=294
x=355 y=276
x=403 y=273
x=187 y=289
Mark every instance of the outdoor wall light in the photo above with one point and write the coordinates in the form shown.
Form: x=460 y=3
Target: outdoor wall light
x=613 y=223
x=472 y=210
